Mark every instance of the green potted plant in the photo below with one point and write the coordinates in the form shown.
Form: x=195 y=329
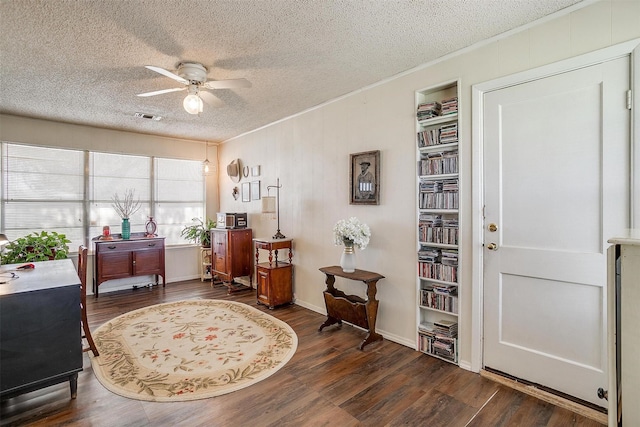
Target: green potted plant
x=199 y=231
x=42 y=246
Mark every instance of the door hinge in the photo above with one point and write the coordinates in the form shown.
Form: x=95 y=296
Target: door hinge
x=629 y=99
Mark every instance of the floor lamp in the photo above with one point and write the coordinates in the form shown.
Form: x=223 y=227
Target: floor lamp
x=271 y=204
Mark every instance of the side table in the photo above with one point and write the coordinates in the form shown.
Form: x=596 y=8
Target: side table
x=352 y=308
x=274 y=279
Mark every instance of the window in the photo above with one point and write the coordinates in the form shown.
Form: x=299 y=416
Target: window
x=44 y=189
x=179 y=196
x=111 y=174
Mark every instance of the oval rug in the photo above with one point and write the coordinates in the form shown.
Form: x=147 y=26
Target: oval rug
x=190 y=350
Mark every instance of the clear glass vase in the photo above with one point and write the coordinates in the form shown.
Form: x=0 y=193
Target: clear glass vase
x=348 y=258
x=126 y=229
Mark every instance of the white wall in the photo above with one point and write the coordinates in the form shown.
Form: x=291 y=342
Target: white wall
x=310 y=154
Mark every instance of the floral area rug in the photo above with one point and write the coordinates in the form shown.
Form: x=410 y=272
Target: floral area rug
x=190 y=350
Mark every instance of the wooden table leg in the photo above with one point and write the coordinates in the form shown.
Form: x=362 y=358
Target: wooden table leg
x=372 y=312
x=330 y=289
x=73 y=385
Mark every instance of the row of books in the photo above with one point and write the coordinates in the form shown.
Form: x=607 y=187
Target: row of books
x=438 y=185
x=438 y=163
x=444 y=200
x=438 y=271
x=446 y=134
x=433 y=228
x=443 y=235
x=435 y=300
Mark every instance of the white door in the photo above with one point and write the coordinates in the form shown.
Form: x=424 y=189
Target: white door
x=556 y=183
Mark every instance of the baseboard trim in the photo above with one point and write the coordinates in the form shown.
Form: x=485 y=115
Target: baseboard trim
x=547 y=397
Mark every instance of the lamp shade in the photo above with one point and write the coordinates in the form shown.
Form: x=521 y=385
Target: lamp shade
x=268 y=204
x=192 y=104
x=3 y=240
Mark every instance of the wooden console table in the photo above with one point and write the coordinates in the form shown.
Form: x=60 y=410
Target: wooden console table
x=352 y=308
x=118 y=258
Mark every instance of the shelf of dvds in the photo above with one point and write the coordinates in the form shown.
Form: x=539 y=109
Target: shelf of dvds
x=437 y=224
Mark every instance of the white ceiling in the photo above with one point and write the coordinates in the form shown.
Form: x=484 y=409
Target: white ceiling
x=83 y=61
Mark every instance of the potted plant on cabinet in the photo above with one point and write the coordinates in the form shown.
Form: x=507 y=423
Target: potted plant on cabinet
x=43 y=246
x=199 y=231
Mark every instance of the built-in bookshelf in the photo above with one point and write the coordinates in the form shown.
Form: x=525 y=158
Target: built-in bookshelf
x=437 y=221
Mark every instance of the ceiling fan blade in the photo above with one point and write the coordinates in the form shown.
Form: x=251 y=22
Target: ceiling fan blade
x=167 y=74
x=210 y=99
x=227 y=84
x=160 y=92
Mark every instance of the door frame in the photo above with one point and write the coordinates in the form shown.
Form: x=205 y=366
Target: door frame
x=477 y=164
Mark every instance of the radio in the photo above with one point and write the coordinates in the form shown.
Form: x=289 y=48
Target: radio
x=231 y=220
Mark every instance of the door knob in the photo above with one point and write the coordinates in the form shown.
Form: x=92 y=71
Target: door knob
x=492 y=246
x=492 y=227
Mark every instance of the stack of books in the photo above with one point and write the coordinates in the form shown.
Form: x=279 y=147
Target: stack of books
x=448 y=134
x=449 y=106
x=446 y=328
x=429 y=110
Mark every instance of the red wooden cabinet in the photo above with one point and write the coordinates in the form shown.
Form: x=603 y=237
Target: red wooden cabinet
x=231 y=252
x=274 y=280
x=138 y=256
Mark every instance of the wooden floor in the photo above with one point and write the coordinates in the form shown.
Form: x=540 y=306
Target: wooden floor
x=329 y=382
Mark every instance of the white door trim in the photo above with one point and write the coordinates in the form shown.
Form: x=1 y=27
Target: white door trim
x=477 y=162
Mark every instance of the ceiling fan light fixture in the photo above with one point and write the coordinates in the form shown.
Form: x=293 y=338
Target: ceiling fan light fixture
x=192 y=104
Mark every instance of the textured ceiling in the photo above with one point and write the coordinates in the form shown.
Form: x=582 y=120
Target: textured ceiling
x=83 y=61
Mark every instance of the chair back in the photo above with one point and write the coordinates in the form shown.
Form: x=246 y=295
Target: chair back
x=82 y=270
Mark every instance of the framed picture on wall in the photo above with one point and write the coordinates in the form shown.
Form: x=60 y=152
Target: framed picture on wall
x=255 y=190
x=246 y=192
x=364 y=179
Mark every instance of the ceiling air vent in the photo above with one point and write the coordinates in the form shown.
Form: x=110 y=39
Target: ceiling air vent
x=147 y=116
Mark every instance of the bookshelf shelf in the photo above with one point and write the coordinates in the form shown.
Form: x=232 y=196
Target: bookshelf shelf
x=438 y=245
x=439 y=147
x=439 y=120
x=448 y=313
x=437 y=239
x=441 y=282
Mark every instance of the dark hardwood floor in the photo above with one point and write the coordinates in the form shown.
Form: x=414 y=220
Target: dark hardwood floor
x=329 y=382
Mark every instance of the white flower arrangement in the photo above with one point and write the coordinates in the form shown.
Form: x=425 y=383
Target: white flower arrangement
x=352 y=229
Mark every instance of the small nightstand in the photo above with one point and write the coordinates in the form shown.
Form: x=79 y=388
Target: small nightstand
x=274 y=279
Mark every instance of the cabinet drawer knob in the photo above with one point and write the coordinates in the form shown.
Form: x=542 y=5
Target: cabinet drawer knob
x=151 y=244
x=112 y=247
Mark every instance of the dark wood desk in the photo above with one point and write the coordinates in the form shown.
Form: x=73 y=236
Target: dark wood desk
x=40 y=343
x=118 y=258
x=352 y=308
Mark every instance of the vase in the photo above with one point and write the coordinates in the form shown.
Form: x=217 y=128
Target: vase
x=348 y=258
x=150 y=227
x=126 y=229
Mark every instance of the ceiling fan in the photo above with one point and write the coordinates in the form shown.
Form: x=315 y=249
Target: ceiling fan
x=193 y=76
